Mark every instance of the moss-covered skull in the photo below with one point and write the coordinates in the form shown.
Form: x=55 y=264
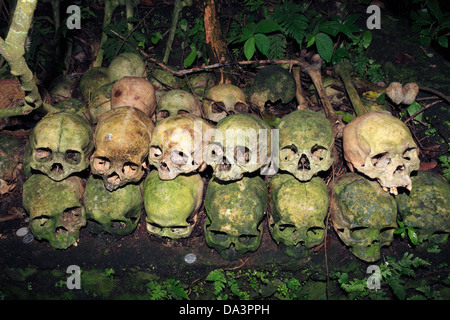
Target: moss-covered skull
x=363 y=215
x=122 y=139
x=100 y=102
x=306 y=142
x=60 y=145
x=172 y=205
x=93 y=79
x=241 y=144
x=176 y=102
x=380 y=146
x=177 y=145
x=126 y=64
x=135 y=92
x=427 y=208
x=55 y=209
x=117 y=212
x=235 y=211
x=298 y=211
x=223 y=100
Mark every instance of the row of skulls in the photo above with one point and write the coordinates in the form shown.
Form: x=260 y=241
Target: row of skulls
x=126 y=138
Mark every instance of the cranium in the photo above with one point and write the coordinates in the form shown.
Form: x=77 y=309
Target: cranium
x=306 y=142
x=380 y=146
x=241 y=144
x=223 y=100
x=60 y=145
x=93 y=79
x=122 y=138
x=116 y=213
x=427 y=208
x=298 y=211
x=235 y=211
x=100 y=102
x=126 y=64
x=177 y=102
x=172 y=205
x=364 y=217
x=55 y=209
x=177 y=145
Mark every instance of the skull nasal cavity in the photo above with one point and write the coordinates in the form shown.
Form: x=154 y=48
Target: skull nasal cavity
x=399 y=169
x=57 y=168
x=225 y=165
x=303 y=163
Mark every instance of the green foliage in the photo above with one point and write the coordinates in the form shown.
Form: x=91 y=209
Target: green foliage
x=167 y=290
x=36 y=45
x=402 y=230
x=445 y=163
x=193 y=39
x=431 y=23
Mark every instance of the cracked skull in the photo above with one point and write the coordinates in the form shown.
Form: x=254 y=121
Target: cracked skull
x=177 y=145
x=380 y=146
x=55 y=209
x=60 y=145
x=223 y=100
x=122 y=138
x=235 y=211
x=306 y=144
x=172 y=206
x=363 y=215
x=241 y=144
x=298 y=211
x=116 y=213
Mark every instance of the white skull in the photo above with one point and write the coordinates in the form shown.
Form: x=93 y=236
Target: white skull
x=380 y=146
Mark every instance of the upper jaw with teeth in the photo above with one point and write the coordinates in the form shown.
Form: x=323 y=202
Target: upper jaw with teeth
x=394 y=191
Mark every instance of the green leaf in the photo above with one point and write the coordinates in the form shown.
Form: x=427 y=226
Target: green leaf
x=324 y=46
x=333 y=28
x=262 y=43
x=443 y=41
x=310 y=40
x=191 y=57
x=413 y=108
x=412 y=234
x=267 y=26
x=366 y=39
x=249 y=48
x=433 y=5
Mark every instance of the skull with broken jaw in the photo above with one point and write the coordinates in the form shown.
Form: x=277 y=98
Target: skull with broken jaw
x=122 y=138
x=223 y=100
x=172 y=205
x=298 y=211
x=177 y=145
x=60 y=145
x=116 y=213
x=55 y=209
x=306 y=144
x=241 y=144
x=235 y=211
x=380 y=146
x=364 y=216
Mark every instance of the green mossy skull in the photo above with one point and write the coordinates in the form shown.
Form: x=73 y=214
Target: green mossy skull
x=306 y=142
x=172 y=205
x=126 y=64
x=177 y=145
x=223 y=100
x=298 y=212
x=117 y=212
x=60 y=145
x=93 y=79
x=122 y=140
x=381 y=146
x=363 y=215
x=241 y=144
x=427 y=208
x=176 y=102
x=235 y=211
x=55 y=209
x=100 y=102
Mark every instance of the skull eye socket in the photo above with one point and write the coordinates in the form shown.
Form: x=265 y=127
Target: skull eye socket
x=358 y=233
x=179 y=158
x=43 y=154
x=381 y=160
x=219 y=236
x=247 y=239
x=409 y=153
x=162 y=114
x=218 y=107
x=73 y=157
x=71 y=215
x=130 y=169
x=315 y=232
x=241 y=154
x=287 y=228
x=155 y=152
x=101 y=164
x=241 y=107
x=318 y=152
x=215 y=152
x=40 y=221
x=182 y=112
x=288 y=153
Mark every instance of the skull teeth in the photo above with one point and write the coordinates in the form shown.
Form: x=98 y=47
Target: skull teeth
x=393 y=191
x=409 y=187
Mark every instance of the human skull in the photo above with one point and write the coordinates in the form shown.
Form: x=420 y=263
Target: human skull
x=176 y=102
x=241 y=144
x=363 y=215
x=100 y=102
x=172 y=206
x=223 y=100
x=126 y=64
x=380 y=146
x=116 y=213
x=298 y=212
x=306 y=142
x=122 y=138
x=135 y=92
x=60 y=144
x=177 y=145
x=93 y=79
x=235 y=211
x=427 y=208
x=55 y=209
